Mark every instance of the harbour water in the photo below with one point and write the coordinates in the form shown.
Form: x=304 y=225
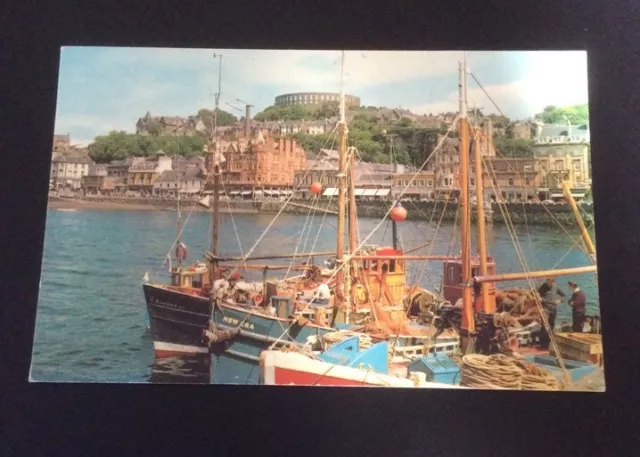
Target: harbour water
x=91 y=321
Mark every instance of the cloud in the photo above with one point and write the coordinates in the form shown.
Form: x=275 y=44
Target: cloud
x=554 y=79
x=110 y=88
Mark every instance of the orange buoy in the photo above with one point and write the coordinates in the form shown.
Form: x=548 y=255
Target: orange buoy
x=398 y=213
x=316 y=188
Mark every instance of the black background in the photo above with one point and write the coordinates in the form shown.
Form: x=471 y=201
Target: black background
x=79 y=419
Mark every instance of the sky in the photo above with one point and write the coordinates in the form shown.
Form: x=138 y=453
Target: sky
x=101 y=89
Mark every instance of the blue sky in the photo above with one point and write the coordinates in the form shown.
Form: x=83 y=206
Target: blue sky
x=102 y=89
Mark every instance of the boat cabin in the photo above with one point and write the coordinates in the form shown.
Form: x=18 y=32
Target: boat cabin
x=452 y=280
x=192 y=277
x=385 y=278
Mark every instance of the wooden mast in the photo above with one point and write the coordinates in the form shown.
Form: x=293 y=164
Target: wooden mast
x=591 y=249
x=488 y=298
x=468 y=321
x=353 y=232
x=215 y=169
x=179 y=222
x=342 y=176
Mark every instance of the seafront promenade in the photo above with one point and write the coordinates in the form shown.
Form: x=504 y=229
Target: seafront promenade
x=518 y=213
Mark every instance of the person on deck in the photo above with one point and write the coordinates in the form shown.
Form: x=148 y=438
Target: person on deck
x=578 y=303
x=321 y=296
x=551 y=296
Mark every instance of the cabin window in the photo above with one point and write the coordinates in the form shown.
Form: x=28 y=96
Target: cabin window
x=474 y=272
x=197 y=281
x=392 y=266
x=175 y=280
x=374 y=265
x=365 y=264
x=452 y=274
x=186 y=281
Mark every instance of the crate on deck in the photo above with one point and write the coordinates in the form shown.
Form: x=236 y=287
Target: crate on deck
x=582 y=347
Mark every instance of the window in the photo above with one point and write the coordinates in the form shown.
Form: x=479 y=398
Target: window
x=413 y=183
x=197 y=281
x=510 y=181
x=527 y=181
x=406 y=183
x=399 y=183
x=559 y=165
x=577 y=166
x=421 y=182
x=429 y=183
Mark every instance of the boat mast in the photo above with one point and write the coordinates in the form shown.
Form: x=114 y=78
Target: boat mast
x=342 y=175
x=394 y=224
x=179 y=222
x=215 y=168
x=488 y=299
x=591 y=249
x=468 y=322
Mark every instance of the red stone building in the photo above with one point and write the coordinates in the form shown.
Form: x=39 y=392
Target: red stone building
x=261 y=164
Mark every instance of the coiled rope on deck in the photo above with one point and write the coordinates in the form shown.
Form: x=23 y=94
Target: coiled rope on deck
x=503 y=372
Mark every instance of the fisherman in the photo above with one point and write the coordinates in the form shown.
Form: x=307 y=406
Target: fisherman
x=220 y=287
x=551 y=295
x=578 y=302
x=321 y=296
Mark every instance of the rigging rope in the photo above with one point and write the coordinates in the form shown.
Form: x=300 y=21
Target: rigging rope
x=536 y=297
x=255 y=245
x=364 y=242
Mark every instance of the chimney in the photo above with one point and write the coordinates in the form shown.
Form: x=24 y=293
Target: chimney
x=247 y=121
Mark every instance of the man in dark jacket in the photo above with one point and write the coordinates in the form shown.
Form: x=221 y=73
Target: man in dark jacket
x=551 y=297
x=578 y=303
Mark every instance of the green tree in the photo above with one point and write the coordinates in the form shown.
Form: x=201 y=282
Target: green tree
x=510 y=147
x=120 y=145
x=576 y=114
x=224 y=118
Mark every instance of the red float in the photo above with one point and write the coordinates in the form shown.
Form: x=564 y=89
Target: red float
x=398 y=213
x=316 y=188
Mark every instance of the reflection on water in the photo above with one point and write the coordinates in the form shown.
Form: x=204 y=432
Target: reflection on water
x=181 y=370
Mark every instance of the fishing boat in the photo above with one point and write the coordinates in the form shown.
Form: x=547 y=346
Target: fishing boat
x=370 y=294
x=470 y=305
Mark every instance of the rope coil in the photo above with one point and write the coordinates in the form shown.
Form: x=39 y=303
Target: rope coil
x=503 y=372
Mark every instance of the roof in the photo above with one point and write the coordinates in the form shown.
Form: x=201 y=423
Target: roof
x=320 y=165
x=555 y=130
x=121 y=163
x=168 y=176
x=330 y=153
x=72 y=159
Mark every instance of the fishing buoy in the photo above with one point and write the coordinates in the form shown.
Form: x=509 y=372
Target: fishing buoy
x=181 y=252
x=316 y=188
x=398 y=213
x=257 y=299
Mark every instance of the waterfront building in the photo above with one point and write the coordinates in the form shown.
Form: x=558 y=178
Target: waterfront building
x=97 y=180
x=67 y=171
x=261 y=164
x=422 y=187
x=562 y=153
x=143 y=173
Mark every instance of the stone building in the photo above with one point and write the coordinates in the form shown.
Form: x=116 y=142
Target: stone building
x=508 y=179
x=97 y=180
x=61 y=143
x=262 y=163
x=422 y=187
x=143 y=173
x=168 y=125
x=562 y=153
x=68 y=170
x=315 y=98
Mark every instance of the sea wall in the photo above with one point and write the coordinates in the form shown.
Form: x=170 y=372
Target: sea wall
x=518 y=213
